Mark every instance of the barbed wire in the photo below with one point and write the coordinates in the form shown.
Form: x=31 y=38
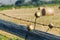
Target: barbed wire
x=22 y=19
x=28 y=21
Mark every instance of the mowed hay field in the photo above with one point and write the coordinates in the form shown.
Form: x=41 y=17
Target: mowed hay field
x=28 y=14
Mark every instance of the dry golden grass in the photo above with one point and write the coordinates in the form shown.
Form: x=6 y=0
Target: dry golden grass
x=7 y=34
x=28 y=14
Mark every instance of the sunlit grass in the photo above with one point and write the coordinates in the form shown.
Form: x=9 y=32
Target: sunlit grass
x=30 y=16
x=7 y=38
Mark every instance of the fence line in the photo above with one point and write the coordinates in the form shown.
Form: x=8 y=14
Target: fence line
x=27 y=20
x=23 y=19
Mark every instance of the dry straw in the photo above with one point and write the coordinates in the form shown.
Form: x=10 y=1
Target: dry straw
x=46 y=11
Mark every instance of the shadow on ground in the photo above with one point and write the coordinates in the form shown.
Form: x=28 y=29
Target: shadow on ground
x=21 y=31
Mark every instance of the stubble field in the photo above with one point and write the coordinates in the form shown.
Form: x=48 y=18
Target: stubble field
x=28 y=14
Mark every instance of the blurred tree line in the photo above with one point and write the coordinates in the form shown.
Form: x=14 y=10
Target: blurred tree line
x=35 y=2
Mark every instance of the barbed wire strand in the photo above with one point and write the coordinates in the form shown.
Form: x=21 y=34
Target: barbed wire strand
x=22 y=19
x=27 y=20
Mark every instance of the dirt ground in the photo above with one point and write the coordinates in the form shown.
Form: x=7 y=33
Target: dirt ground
x=28 y=14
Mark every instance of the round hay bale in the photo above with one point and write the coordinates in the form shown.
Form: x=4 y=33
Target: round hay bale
x=43 y=12
x=50 y=11
x=47 y=11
